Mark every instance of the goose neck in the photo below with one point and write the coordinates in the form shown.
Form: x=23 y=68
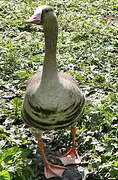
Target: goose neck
x=50 y=65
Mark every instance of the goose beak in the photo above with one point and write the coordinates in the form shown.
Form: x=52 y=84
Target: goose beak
x=33 y=20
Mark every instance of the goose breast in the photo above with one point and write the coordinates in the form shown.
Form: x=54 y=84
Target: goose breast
x=57 y=105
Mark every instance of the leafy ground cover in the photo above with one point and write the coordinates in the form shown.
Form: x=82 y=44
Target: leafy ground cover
x=87 y=49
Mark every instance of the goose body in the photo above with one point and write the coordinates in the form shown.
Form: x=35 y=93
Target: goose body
x=58 y=104
x=53 y=99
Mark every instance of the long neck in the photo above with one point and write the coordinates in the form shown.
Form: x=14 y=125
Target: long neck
x=50 y=66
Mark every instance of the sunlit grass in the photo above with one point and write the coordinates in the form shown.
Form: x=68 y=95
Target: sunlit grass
x=87 y=49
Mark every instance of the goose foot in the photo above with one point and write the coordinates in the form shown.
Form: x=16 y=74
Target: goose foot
x=51 y=170
x=71 y=157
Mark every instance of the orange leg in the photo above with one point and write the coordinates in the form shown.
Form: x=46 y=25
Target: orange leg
x=50 y=170
x=72 y=156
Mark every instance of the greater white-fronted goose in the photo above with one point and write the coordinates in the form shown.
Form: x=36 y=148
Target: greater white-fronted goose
x=53 y=99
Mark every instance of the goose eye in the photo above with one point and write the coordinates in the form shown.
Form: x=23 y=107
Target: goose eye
x=46 y=10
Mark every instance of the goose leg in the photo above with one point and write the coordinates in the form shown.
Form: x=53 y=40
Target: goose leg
x=72 y=156
x=50 y=170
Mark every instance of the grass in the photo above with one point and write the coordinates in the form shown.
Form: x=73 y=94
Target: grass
x=87 y=49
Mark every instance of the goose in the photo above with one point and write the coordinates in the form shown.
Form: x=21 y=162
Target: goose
x=53 y=99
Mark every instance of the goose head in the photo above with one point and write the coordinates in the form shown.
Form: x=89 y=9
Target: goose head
x=43 y=15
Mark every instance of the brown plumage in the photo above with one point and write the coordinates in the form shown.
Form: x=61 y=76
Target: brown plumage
x=53 y=99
